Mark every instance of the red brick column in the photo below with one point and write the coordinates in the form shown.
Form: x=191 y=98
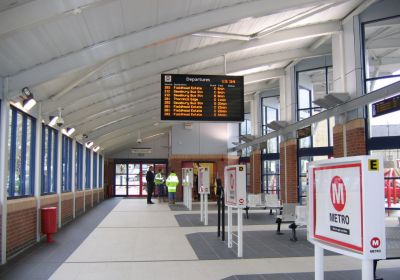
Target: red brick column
x=355 y=138
x=338 y=141
x=288 y=169
x=255 y=172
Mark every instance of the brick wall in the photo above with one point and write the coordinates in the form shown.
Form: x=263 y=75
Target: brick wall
x=109 y=177
x=88 y=200
x=355 y=138
x=255 y=172
x=291 y=168
x=220 y=161
x=338 y=141
x=78 y=203
x=21 y=225
x=66 y=208
x=95 y=197
x=101 y=195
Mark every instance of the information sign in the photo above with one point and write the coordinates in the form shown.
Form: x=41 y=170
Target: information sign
x=235 y=186
x=386 y=106
x=346 y=206
x=204 y=180
x=202 y=98
x=187 y=177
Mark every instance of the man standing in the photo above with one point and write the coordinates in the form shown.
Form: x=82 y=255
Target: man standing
x=159 y=180
x=150 y=184
x=172 y=182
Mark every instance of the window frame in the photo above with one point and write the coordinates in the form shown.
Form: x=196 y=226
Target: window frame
x=13 y=121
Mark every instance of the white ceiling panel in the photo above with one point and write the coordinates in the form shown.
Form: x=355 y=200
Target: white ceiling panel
x=104 y=21
x=138 y=15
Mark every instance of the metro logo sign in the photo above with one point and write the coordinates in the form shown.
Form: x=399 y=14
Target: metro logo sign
x=346 y=206
x=375 y=242
x=338 y=193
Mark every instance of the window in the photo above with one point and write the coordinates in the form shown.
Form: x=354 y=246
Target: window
x=270 y=112
x=311 y=85
x=381 y=68
x=245 y=130
x=49 y=159
x=100 y=171
x=95 y=168
x=21 y=145
x=271 y=176
x=66 y=164
x=88 y=169
x=79 y=167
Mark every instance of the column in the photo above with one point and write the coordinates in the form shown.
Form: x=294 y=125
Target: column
x=288 y=169
x=38 y=168
x=84 y=177
x=73 y=183
x=5 y=116
x=59 y=176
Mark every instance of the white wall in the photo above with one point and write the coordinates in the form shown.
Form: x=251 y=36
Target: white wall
x=203 y=138
x=159 y=149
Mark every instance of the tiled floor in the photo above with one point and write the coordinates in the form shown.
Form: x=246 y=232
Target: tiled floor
x=134 y=240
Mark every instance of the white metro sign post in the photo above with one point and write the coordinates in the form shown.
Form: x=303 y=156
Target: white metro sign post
x=235 y=196
x=346 y=210
x=187 y=183
x=204 y=191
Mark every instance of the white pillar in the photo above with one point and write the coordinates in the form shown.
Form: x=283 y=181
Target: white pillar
x=38 y=168
x=319 y=262
x=240 y=232
x=91 y=176
x=206 y=209
x=190 y=199
x=73 y=181
x=229 y=226
x=367 y=270
x=84 y=177
x=59 y=176
x=5 y=116
x=201 y=208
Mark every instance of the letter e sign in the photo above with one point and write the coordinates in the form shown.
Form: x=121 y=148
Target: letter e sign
x=373 y=165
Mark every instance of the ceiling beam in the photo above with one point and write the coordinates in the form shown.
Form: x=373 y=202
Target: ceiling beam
x=158 y=34
x=263 y=76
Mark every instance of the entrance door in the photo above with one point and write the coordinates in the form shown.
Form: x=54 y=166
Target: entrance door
x=130 y=178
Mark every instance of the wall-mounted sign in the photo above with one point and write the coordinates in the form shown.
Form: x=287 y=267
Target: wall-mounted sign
x=203 y=180
x=202 y=98
x=235 y=186
x=386 y=106
x=346 y=206
x=304 y=132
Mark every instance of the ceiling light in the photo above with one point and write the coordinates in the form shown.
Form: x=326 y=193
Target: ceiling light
x=68 y=131
x=53 y=120
x=89 y=144
x=95 y=149
x=27 y=99
x=28 y=104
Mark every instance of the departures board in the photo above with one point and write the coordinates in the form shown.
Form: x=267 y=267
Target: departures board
x=202 y=98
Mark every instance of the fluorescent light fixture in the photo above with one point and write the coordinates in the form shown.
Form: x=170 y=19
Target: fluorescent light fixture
x=89 y=144
x=277 y=125
x=53 y=120
x=155 y=135
x=68 y=131
x=223 y=35
x=332 y=99
x=28 y=104
x=95 y=149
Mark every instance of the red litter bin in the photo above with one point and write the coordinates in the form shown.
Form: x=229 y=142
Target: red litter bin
x=49 y=222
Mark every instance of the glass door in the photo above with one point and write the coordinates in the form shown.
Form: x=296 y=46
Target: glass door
x=120 y=179
x=134 y=179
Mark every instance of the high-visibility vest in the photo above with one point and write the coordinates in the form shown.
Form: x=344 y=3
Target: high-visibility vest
x=172 y=182
x=159 y=179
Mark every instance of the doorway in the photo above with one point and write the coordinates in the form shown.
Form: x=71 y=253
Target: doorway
x=130 y=177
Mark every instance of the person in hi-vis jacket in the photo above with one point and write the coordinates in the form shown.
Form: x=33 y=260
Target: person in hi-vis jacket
x=159 y=181
x=172 y=183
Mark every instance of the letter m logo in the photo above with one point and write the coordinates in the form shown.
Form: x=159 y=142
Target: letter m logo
x=338 y=193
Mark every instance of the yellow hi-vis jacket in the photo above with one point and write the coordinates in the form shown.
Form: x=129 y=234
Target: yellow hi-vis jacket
x=172 y=182
x=159 y=179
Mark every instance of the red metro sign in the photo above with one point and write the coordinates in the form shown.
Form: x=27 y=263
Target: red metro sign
x=338 y=193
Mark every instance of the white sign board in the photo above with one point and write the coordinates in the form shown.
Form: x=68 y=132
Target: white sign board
x=204 y=180
x=187 y=177
x=347 y=206
x=235 y=185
